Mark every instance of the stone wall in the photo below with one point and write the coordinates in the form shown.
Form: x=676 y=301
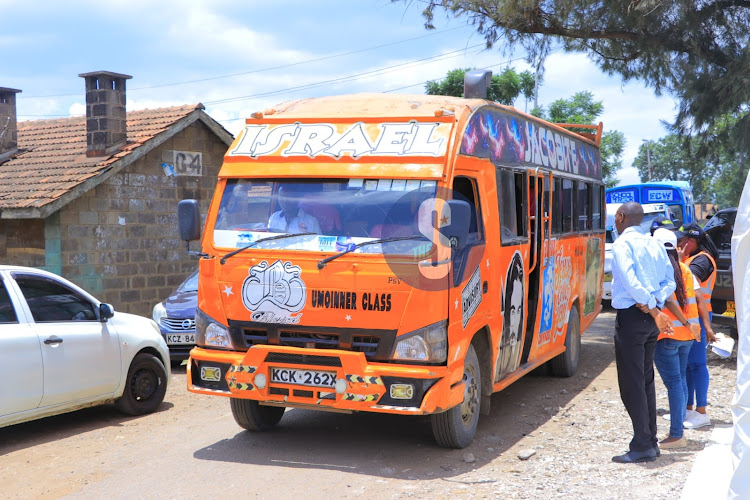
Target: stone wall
x=22 y=242
x=120 y=240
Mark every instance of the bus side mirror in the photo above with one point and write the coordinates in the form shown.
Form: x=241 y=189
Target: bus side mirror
x=189 y=220
x=457 y=229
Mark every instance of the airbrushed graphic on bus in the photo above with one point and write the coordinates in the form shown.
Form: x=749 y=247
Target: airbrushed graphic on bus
x=503 y=137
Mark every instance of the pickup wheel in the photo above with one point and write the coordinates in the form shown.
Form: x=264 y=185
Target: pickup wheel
x=145 y=386
x=566 y=364
x=456 y=427
x=251 y=415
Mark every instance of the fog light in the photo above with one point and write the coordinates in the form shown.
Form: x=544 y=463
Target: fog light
x=340 y=386
x=260 y=381
x=402 y=391
x=211 y=373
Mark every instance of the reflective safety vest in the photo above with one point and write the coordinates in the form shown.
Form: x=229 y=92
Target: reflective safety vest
x=680 y=331
x=707 y=286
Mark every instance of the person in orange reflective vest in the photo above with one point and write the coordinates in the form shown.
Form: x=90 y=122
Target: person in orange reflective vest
x=672 y=349
x=698 y=252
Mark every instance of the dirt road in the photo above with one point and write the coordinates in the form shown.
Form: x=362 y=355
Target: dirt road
x=192 y=448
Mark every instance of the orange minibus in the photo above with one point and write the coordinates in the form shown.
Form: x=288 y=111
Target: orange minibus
x=405 y=254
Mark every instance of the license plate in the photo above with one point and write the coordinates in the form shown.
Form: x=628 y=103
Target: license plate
x=180 y=338
x=730 y=309
x=303 y=377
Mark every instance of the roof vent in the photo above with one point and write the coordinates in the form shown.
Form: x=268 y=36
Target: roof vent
x=476 y=83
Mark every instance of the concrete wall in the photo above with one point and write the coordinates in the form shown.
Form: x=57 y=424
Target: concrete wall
x=120 y=240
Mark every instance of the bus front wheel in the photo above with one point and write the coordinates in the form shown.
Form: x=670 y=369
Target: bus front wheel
x=254 y=417
x=456 y=427
x=566 y=364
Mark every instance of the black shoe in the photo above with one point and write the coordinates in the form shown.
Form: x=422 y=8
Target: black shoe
x=658 y=451
x=633 y=457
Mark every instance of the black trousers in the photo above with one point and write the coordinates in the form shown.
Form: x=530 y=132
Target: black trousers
x=635 y=343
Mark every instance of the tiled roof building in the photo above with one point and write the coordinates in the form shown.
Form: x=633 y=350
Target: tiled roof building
x=94 y=198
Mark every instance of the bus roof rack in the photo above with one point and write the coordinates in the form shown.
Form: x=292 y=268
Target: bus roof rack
x=595 y=136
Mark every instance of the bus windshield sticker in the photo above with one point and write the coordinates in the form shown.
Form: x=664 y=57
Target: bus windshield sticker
x=273 y=294
x=660 y=195
x=471 y=296
x=398 y=185
x=412 y=184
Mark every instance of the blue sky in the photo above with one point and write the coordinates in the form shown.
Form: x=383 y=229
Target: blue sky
x=239 y=57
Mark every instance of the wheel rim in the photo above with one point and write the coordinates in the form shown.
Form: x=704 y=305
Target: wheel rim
x=470 y=404
x=144 y=385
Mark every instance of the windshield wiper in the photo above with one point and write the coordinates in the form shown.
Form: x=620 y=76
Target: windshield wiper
x=325 y=261
x=253 y=243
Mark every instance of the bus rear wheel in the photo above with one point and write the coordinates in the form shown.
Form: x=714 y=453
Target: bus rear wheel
x=566 y=364
x=250 y=415
x=456 y=427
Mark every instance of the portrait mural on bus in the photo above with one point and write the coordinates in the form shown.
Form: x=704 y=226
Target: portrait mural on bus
x=513 y=314
x=506 y=138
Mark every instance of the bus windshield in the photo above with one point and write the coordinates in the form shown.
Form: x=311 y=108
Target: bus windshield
x=340 y=214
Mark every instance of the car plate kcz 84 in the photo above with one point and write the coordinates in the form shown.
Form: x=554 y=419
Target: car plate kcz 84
x=185 y=338
x=303 y=377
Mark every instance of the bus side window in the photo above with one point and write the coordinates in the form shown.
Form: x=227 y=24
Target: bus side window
x=511 y=205
x=568 y=212
x=557 y=207
x=596 y=207
x=466 y=190
x=584 y=217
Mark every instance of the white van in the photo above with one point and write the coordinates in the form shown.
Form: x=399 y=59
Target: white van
x=650 y=212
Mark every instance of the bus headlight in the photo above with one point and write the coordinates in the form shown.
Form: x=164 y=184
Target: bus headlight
x=209 y=332
x=428 y=344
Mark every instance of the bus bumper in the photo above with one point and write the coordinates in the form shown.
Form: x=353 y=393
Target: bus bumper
x=346 y=381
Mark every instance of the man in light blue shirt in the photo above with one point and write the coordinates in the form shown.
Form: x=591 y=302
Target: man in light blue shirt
x=642 y=278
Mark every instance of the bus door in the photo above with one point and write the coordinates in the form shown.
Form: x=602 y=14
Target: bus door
x=539 y=187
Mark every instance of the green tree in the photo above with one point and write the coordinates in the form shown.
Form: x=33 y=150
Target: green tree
x=673 y=158
x=583 y=109
x=504 y=88
x=717 y=175
x=696 y=50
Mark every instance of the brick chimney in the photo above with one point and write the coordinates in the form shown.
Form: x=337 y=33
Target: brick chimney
x=8 y=126
x=105 y=112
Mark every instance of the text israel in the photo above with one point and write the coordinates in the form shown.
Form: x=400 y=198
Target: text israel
x=394 y=139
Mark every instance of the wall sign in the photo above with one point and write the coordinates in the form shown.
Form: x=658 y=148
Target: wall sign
x=188 y=163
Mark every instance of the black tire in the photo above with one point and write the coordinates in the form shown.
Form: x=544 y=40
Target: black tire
x=145 y=386
x=566 y=364
x=456 y=427
x=251 y=415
